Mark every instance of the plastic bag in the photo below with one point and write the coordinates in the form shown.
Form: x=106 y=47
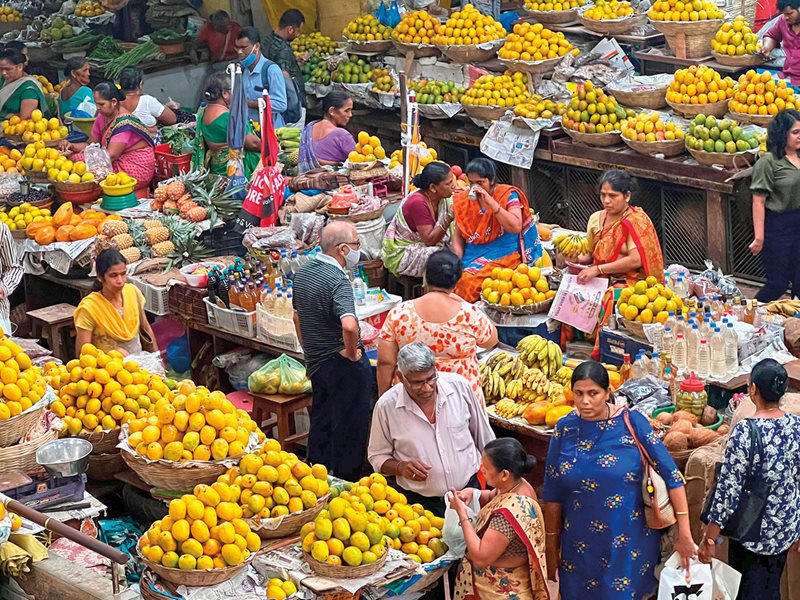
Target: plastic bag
x=452 y=534
x=282 y=375
x=239 y=365
x=86 y=109
x=393 y=15
x=677 y=584
x=307 y=227
x=269 y=238
x=98 y=162
x=646 y=394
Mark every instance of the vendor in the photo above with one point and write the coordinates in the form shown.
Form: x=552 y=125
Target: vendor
x=144 y=107
x=10 y=275
x=786 y=33
x=124 y=137
x=77 y=89
x=494 y=228
x=428 y=430
x=423 y=223
x=277 y=46
x=211 y=140
x=20 y=94
x=326 y=141
x=112 y=316
x=623 y=242
x=776 y=207
x=254 y=66
x=219 y=36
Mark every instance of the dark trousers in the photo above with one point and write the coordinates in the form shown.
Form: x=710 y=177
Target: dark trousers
x=435 y=504
x=761 y=575
x=780 y=255
x=343 y=392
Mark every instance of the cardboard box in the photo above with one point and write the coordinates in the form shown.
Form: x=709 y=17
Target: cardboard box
x=334 y=15
x=614 y=344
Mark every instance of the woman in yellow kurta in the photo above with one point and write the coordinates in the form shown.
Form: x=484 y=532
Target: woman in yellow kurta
x=112 y=317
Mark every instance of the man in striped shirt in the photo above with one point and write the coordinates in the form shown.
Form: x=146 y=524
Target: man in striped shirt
x=10 y=275
x=341 y=376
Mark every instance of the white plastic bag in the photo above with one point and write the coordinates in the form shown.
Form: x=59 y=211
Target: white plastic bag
x=726 y=580
x=452 y=534
x=87 y=106
x=677 y=584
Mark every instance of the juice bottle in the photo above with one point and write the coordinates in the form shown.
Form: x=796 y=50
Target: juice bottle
x=626 y=370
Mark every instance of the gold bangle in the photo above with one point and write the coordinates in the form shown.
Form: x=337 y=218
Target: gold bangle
x=600 y=269
x=681 y=513
x=552 y=533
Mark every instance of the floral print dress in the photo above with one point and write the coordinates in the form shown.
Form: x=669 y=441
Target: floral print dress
x=594 y=471
x=454 y=342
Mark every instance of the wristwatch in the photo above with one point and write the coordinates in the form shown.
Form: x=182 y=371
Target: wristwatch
x=715 y=542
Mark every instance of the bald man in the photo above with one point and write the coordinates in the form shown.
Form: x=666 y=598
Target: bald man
x=341 y=376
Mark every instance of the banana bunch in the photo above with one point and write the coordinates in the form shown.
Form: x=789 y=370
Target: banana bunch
x=539 y=353
x=534 y=387
x=288 y=138
x=562 y=376
x=571 y=244
x=508 y=409
x=493 y=385
x=787 y=308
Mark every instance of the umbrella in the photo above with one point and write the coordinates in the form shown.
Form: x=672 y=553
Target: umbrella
x=412 y=164
x=237 y=126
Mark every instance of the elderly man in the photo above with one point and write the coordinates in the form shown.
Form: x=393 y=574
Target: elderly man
x=341 y=376
x=428 y=430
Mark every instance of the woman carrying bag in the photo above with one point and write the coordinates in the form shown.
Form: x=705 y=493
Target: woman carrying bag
x=756 y=500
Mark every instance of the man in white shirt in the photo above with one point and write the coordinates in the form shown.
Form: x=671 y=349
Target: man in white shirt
x=428 y=430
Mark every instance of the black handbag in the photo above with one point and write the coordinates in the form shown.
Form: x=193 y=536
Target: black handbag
x=745 y=523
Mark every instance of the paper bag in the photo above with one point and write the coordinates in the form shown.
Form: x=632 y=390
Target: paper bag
x=452 y=534
x=677 y=584
x=579 y=304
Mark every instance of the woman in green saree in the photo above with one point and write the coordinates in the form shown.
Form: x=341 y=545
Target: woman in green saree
x=211 y=141
x=20 y=94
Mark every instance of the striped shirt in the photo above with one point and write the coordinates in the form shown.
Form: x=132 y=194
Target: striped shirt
x=10 y=273
x=321 y=297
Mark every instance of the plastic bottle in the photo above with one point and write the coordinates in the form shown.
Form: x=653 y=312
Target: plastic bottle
x=680 y=326
x=669 y=377
x=705 y=326
x=667 y=340
x=731 y=350
x=719 y=367
x=277 y=307
x=211 y=285
x=657 y=334
x=679 y=351
x=692 y=345
x=681 y=289
x=359 y=289
x=640 y=367
x=703 y=359
x=294 y=262
x=266 y=295
x=288 y=306
x=654 y=367
x=283 y=264
x=626 y=370
x=671 y=320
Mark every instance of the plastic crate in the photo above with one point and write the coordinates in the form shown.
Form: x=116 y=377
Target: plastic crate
x=234 y=321
x=277 y=331
x=169 y=164
x=155 y=298
x=186 y=303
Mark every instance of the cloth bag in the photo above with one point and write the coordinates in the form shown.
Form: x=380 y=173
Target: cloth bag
x=452 y=534
x=716 y=581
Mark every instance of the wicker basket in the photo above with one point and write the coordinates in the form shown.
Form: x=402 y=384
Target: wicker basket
x=635 y=328
x=359 y=176
x=103 y=467
x=689 y=28
x=103 y=442
x=668 y=148
x=290 y=525
x=525 y=309
x=760 y=120
x=418 y=50
x=681 y=457
x=344 y=572
x=375 y=272
x=533 y=67
x=553 y=17
x=373 y=47
x=717 y=109
x=737 y=160
x=12 y=430
x=84 y=186
x=22 y=457
x=467 y=54
x=163 y=475
x=193 y=578
x=612 y=26
x=37 y=177
x=149 y=594
x=485 y=113
x=743 y=60
x=690 y=39
x=601 y=140
x=649 y=98
x=19 y=234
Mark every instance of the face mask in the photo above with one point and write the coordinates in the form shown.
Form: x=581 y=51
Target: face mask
x=352 y=258
x=248 y=61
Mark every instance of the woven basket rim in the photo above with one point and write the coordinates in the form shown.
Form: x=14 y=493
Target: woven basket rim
x=611 y=26
x=195 y=577
x=526 y=309
x=492 y=113
x=289 y=524
x=752 y=119
x=645 y=147
x=165 y=475
x=553 y=17
x=344 y=572
x=532 y=66
x=719 y=108
x=729 y=160
x=688 y=27
x=739 y=60
x=369 y=46
x=21 y=423
x=593 y=138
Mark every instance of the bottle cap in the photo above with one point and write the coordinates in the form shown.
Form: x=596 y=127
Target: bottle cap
x=671 y=313
x=694 y=326
x=692 y=384
x=626 y=357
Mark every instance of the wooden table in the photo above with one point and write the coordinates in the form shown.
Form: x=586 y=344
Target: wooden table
x=652 y=63
x=48 y=289
x=53 y=320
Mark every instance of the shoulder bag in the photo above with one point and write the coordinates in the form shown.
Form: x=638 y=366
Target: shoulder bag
x=658 y=510
x=745 y=523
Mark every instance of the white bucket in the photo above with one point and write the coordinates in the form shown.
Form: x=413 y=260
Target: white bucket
x=371 y=235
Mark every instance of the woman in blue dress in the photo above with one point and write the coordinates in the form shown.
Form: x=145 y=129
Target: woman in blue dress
x=597 y=535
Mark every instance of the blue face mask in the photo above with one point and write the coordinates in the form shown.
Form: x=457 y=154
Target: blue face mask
x=248 y=61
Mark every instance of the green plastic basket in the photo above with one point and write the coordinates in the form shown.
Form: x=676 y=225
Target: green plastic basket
x=671 y=409
x=119 y=202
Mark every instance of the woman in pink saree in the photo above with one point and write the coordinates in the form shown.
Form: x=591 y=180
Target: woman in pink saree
x=123 y=136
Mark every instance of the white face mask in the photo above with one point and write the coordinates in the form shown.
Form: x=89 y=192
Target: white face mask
x=351 y=258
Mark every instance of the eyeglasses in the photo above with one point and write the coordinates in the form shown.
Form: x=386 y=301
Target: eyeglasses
x=431 y=381
x=357 y=244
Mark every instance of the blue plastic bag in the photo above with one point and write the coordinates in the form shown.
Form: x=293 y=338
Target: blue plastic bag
x=392 y=15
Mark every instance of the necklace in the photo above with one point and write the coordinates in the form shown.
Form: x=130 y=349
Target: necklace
x=519 y=483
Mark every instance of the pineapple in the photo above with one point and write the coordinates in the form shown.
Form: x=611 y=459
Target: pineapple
x=114 y=228
x=175 y=189
x=152 y=224
x=122 y=241
x=161 y=194
x=156 y=235
x=163 y=248
x=131 y=254
x=170 y=207
x=102 y=242
x=197 y=214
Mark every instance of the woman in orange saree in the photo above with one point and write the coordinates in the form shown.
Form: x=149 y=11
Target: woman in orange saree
x=506 y=547
x=623 y=242
x=496 y=229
